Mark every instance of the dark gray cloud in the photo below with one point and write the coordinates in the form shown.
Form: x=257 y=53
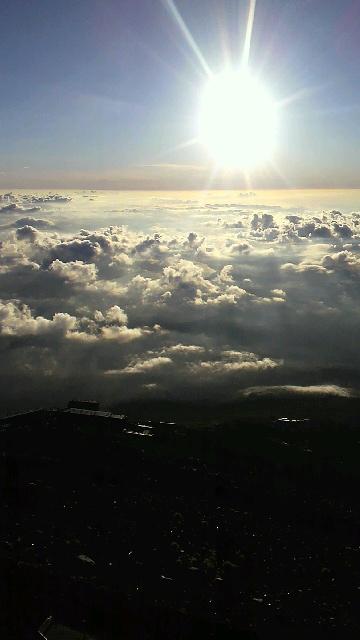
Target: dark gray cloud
x=15 y=208
x=51 y=199
x=37 y=223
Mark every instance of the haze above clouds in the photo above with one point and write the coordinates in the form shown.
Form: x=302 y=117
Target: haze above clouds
x=122 y=296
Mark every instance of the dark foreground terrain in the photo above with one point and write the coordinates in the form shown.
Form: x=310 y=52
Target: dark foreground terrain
x=151 y=530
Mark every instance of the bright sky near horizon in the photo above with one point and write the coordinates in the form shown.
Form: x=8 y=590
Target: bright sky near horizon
x=105 y=94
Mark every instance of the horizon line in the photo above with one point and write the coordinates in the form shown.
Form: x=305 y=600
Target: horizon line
x=176 y=188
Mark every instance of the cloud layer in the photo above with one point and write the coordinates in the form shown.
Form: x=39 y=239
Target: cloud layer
x=173 y=297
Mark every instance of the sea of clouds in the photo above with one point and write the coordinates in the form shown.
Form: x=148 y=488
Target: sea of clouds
x=121 y=296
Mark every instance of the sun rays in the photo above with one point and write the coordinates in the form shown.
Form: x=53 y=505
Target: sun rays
x=238 y=128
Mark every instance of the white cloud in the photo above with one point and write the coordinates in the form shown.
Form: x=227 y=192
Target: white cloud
x=236 y=361
x=75 y=271
x=16 y=319
x=185 y=349
x=116 y=315
x=310 y=390
x=141 y=366
x=122 y=334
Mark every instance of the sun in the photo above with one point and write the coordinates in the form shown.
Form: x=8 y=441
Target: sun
x=237 y=120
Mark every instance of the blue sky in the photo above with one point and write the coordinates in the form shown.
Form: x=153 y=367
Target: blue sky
x=101 y=93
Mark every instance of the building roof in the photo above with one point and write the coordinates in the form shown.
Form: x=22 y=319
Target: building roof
x=90 y=412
